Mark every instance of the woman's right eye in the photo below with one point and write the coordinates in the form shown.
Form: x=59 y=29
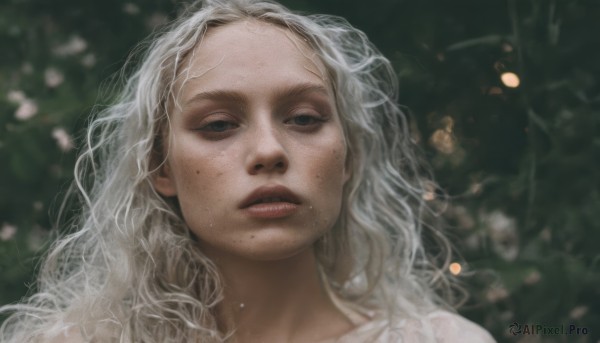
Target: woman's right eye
x=218 y=126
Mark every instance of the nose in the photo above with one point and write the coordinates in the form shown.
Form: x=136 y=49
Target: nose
x=266 y=153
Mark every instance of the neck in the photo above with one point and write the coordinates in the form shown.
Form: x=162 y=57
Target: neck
x=277 y=301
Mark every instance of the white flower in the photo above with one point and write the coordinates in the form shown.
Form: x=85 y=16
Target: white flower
x=38 y=205
x=16 y=97
x=503 y=232
x=578 y=312
x=131 y=9
x=155 y=20
x=532 y=278
x=7 y=232
x=26 y=110
x=429 y=193
x=473 y=241
x=443 y=141
x=476 y=188
x=463 y=217
x=74 y=46
x=89 y=60
x=496 y=293
x=53 y=77
x=27 y=68
x=64 y=141
x=38 y=236
x=546 y=234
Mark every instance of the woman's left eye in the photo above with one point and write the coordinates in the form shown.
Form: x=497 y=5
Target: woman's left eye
x=218 y=126
x=305 y=120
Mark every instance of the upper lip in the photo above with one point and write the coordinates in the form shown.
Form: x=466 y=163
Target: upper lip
x=270 y=191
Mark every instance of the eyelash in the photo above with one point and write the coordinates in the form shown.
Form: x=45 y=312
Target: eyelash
x=207 y=127
x=315 y=120
x=215 y=129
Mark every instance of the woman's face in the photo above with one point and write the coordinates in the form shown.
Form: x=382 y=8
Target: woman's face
x=256 y=153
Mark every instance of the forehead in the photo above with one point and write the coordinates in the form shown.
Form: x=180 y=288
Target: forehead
x=235 y=54
x=248 y=33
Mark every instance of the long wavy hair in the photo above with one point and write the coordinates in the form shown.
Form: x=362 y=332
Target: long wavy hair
x=128 y=269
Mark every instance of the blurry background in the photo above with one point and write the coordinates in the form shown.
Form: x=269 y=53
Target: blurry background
x=505 y=100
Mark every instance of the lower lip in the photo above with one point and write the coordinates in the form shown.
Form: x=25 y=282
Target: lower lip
x=271 y=210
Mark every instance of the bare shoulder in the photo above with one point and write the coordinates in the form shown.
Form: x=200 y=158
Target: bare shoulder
x=450 y=327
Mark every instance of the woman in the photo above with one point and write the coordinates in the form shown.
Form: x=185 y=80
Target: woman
x=254 y=183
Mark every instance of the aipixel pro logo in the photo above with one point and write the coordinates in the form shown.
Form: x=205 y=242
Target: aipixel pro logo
x=515 y=328
x=546 y=330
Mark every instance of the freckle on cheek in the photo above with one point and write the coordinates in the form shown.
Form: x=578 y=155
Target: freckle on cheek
x=336 y=154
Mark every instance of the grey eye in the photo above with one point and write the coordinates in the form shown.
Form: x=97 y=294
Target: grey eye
x=218 y=126
x=304 y=120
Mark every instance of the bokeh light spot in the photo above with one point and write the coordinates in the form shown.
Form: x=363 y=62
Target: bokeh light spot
x=510 y=80
x=455 y=268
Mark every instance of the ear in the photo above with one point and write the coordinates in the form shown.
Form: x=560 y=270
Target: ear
x=163 y=181
x=348 y=164
x=347 y=174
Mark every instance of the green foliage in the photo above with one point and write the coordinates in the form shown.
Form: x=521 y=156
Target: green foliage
x=521 y=164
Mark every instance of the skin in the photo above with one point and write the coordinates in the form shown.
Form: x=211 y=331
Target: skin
x=254 y=109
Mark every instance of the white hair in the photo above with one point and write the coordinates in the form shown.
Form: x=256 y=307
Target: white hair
x=131 y=271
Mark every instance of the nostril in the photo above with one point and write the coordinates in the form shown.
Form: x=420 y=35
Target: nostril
x=269 y=164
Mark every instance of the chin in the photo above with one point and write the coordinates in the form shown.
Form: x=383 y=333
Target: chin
x=278 y=248
x=267 y=245
x=276 y=254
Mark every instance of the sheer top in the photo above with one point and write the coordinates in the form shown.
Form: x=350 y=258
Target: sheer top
x=438 y=326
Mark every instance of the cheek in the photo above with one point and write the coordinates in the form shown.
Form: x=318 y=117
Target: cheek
x=194 y=168
x=329 y=169
x=328 y=173
x=199 y=182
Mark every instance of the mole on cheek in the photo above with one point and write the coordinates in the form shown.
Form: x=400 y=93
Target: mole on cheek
x=335 y=154
x=197 y=172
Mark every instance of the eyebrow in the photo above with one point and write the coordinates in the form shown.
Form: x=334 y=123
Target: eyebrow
x=237 y=97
